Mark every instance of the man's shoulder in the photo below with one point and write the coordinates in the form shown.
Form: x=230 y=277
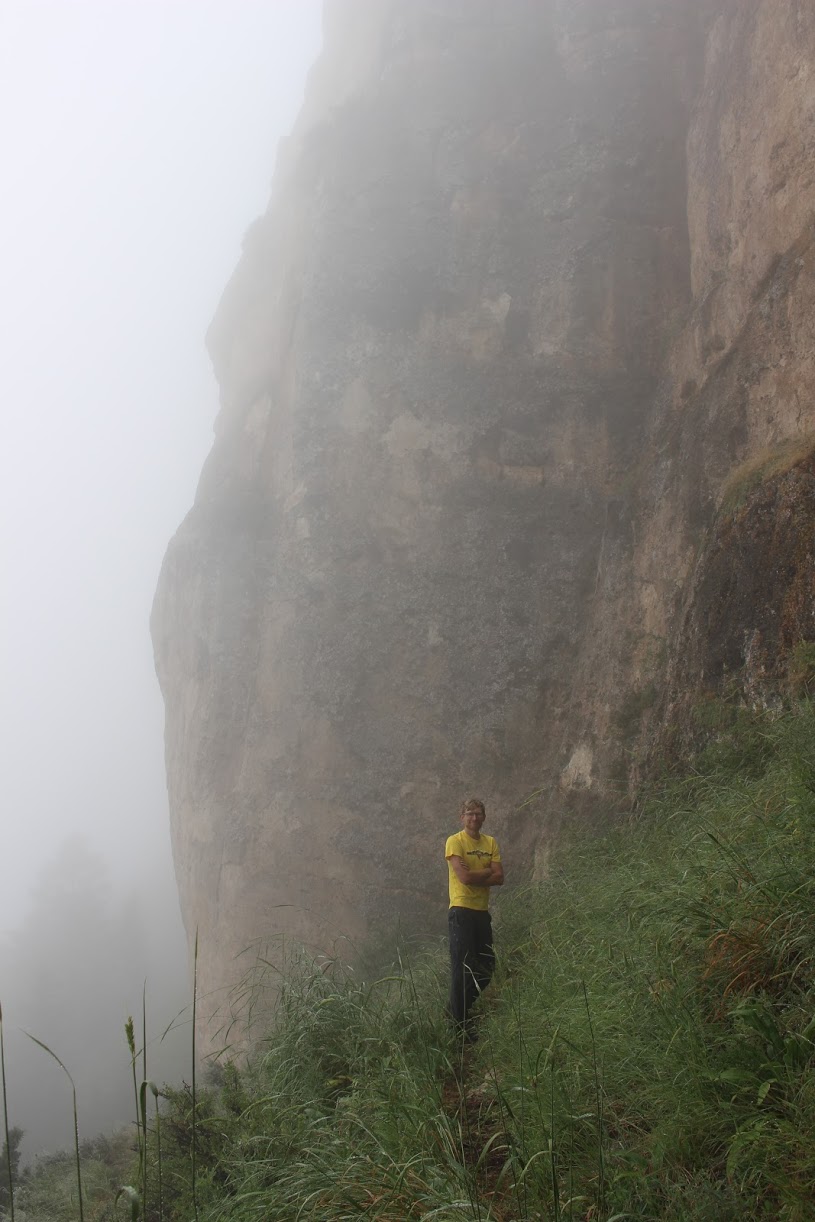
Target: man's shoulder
x=453 y=846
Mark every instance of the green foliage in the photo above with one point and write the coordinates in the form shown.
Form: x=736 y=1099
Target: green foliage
x=768 y=464
x=801 y=669
x=344 y=1108
x=127 y=1193
x=9 y=1167
x=678 y=955
x=647 y=1049
x=47 y=1191
x=734 y=740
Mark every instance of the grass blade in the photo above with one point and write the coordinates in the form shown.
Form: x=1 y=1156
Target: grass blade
x=194 y=1095
x=51 y=1053
x=5 y=1117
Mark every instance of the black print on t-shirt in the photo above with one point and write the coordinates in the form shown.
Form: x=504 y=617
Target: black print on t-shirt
x=478 y=853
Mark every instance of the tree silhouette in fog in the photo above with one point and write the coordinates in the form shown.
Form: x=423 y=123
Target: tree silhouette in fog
x=71 y=974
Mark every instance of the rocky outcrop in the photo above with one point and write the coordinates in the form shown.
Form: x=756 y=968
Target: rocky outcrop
x=535 y=280
x=736 y=404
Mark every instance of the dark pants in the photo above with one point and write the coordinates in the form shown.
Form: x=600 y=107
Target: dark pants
x=472 y=959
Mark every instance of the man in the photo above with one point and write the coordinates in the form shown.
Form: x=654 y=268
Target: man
x=473 y=865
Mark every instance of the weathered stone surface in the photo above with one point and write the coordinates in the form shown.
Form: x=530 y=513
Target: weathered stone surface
x=737 y=381
x=761 y=544
x=535 y=278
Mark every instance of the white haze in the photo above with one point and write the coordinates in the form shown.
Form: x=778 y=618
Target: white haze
x=137 y=141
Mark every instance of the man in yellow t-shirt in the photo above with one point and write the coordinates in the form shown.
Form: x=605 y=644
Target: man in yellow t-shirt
x=473 y=866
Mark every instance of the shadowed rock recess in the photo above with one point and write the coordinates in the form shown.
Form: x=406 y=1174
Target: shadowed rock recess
x=514 y=456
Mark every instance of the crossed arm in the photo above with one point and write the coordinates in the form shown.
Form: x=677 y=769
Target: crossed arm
x=491 y=875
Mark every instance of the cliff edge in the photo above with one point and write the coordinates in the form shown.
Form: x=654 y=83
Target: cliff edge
x=514 y=460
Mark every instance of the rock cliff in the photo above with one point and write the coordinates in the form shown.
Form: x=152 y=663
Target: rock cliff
x=514 y=459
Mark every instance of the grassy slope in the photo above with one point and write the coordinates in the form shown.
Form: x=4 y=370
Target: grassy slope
x=646 y=1049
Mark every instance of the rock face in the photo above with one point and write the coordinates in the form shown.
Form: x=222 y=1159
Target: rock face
x=533 y=295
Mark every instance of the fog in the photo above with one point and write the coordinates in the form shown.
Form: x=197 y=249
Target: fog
x=137 y=142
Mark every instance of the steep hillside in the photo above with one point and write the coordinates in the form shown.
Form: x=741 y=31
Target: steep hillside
x=514 y=457
x=646 y=1049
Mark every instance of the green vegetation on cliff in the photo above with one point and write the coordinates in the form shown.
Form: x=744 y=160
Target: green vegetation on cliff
x=646 y=1050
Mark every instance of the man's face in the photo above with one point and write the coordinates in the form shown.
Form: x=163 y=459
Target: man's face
x=471 y=821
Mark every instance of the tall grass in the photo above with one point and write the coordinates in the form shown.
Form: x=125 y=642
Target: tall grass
x=143 y=1089
x=6 y=1132
x=155 y=1092
x=194 y=1143
x=668 y=969
x=51 y=1053
x=130 y=1036
x=647 y=1047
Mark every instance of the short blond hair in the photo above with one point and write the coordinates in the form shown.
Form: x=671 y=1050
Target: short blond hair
x=472 y=804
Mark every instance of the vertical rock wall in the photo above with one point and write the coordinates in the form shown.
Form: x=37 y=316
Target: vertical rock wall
x=484 y=371
x=737 y=409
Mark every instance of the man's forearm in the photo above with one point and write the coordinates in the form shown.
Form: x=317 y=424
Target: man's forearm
x=482 y=878
x=477 y=878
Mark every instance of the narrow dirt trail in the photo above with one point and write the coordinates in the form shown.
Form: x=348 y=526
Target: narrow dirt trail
x=470 y=1099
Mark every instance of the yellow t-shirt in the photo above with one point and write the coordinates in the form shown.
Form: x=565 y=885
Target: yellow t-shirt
x=476 y=854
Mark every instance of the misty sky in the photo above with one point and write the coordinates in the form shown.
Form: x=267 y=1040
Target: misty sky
x=137 y=143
